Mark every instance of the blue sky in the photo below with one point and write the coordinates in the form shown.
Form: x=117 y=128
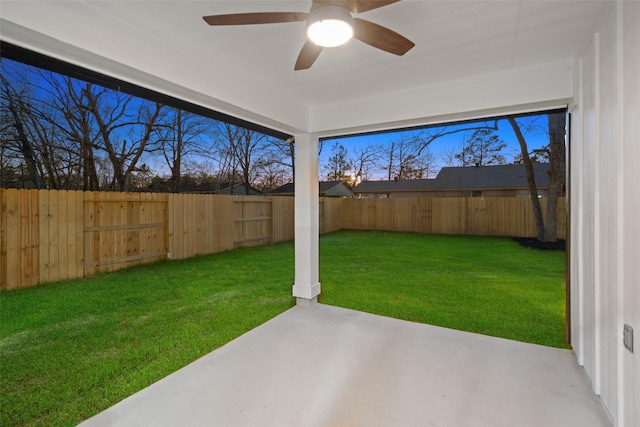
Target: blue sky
x=533 y=127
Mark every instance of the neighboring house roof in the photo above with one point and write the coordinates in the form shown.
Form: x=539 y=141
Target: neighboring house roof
x=209 y=187
x=214 y=188
x=326 y=188
x=464 y=178
x=240 y=190
x=286 y=189
x=391 y=186
x=497 y=176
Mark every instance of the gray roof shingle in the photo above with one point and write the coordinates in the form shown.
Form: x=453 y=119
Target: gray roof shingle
x=464 y=178
x=498 y=176
x=330 y=188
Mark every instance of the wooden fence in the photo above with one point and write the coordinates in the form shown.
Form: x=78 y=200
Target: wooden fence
x=49 y=235
x=499 y=216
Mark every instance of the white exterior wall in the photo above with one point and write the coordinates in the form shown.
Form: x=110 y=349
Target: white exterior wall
x=629 y=293
x=605 y=263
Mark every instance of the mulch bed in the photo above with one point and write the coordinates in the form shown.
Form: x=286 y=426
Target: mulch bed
x=532 y=242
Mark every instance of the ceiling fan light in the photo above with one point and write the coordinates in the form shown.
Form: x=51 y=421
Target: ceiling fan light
x=330 y=26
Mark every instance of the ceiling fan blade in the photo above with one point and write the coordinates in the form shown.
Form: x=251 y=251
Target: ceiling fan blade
x=308 y=55
x=380 y=37
x=359 y=6
x=255 y=18
x=317 y=3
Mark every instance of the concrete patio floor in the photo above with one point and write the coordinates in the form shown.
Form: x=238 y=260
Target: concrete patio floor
x=327 y=366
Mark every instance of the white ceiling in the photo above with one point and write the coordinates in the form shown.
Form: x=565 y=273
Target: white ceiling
x=248 y=70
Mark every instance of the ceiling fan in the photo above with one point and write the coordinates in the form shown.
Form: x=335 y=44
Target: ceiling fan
x=330 y=19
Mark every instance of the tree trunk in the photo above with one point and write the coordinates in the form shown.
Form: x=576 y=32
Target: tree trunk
x=533 y=191
x=89 y=173
x=176 y=170
x=557 y=124
x=119 y=174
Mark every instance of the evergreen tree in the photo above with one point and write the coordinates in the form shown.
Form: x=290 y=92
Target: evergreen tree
x=338 y=166
x=483 y=147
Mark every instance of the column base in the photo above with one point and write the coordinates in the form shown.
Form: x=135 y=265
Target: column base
x=306 y=291
x=304 y=302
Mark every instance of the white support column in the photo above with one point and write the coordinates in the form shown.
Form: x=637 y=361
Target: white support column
x=306 y=287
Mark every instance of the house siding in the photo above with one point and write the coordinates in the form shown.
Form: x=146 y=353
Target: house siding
x=605 y=232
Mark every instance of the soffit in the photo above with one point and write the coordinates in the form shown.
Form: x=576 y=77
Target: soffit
x=249 y=69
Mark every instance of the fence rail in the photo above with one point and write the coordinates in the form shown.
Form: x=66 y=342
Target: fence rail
x=53 y=235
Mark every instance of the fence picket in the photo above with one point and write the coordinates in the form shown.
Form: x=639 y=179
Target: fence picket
x=50 y=235
x=12 y=257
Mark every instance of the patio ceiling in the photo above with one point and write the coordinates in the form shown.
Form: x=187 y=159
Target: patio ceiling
x=247 y=71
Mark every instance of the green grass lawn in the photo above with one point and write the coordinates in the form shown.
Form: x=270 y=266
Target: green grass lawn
x=488 y=285
x=70 y=350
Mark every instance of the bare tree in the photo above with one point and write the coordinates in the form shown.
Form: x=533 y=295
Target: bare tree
x=73 y=120
x=224 y=162
x=14 y=106
x=557 y=161
x=392 y=157
x=244 y=148
x=54 y=118
x=63 y=120
x=408 y=157
x=7 y=156
x=181 y=134
x=427 y=136
x=403 y=156
x=281 y=154
x=533 y=191
x=448 y=155
x=80 y=127
x=104 y=171
x=111 y=117
x=422 y=167
x=557 y=123
x=271 y=174
x=363 y=160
